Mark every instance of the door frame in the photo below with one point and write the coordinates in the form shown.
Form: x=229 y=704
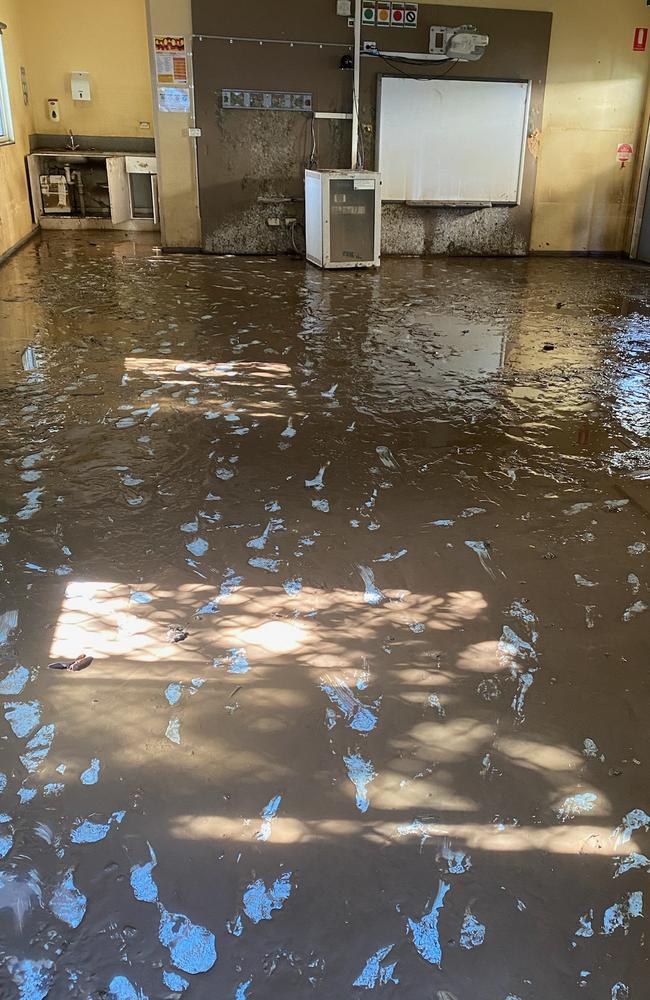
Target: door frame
x=641 y=198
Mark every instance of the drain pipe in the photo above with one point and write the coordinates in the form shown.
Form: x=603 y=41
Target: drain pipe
x=356 y=84
x=79 y=184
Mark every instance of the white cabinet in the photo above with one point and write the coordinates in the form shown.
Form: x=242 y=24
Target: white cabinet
x=133 y=189
x=143 y=186
x=343 y=218
x=105 y=190
x=141 y=165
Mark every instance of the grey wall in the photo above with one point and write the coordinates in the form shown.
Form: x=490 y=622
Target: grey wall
x=248 y=157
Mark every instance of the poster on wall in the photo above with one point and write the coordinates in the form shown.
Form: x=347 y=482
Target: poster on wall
x=171 y=59
x=624 y=153
x=174 y=99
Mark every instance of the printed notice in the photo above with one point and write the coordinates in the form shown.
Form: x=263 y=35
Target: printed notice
x=171 y=59
x=174 y=99
x=624 y=153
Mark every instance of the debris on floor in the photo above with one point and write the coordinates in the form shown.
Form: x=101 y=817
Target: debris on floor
x=407 y=735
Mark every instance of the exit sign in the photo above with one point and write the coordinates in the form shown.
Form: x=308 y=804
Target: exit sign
x=640 y=39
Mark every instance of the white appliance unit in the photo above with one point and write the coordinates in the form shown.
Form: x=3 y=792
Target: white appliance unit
x=343 y=218
x=55 y=194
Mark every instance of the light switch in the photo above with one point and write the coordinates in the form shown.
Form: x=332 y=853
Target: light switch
x=80 y=86
x=344 y=7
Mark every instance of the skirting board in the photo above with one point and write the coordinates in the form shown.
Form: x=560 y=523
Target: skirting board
x=605 y=254
x=21 y=243
x=188 y=250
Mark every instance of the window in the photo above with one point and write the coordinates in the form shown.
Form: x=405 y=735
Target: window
x=6 y=128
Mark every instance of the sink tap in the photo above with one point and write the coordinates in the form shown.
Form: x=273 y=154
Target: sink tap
x=73 y=145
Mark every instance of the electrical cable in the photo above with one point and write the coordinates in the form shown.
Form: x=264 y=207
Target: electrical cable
x=453 y=65
x=312 y=156
x=300 y=253
x=393 y=65
x=361 y=152
x=356 y=111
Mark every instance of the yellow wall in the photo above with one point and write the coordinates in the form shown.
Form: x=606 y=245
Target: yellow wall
x=51 y=39
x=108 y=40
x=15 y=213
x=595 y=99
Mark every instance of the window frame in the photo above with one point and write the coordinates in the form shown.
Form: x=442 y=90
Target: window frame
x=6 y=118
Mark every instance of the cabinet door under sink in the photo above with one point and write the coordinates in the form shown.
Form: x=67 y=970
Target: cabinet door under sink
x=118 y=189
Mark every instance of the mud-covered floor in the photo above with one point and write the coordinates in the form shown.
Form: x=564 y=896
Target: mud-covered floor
x=403 y=518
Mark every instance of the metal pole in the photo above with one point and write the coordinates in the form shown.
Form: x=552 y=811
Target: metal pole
x=356 y=85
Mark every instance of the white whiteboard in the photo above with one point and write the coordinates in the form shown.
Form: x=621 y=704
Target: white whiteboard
x=452 y=141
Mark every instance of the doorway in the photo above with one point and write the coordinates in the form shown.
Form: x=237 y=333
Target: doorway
x=640 y=243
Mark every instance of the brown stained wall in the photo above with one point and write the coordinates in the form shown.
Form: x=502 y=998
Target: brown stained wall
x=246 y=155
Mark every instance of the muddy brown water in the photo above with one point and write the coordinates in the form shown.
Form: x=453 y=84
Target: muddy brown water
x=404 y=746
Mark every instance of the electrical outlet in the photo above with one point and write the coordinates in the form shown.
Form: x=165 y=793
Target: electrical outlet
x=144 y=125
x=290 y=222
x=274 y=223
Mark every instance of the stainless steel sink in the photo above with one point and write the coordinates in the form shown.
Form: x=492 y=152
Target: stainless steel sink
x=62 y=156
x=70 y=159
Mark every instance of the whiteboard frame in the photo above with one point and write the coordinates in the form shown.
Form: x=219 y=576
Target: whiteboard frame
x=461 y=79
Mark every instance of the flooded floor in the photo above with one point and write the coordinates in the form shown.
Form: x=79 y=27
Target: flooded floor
x=361 y=562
